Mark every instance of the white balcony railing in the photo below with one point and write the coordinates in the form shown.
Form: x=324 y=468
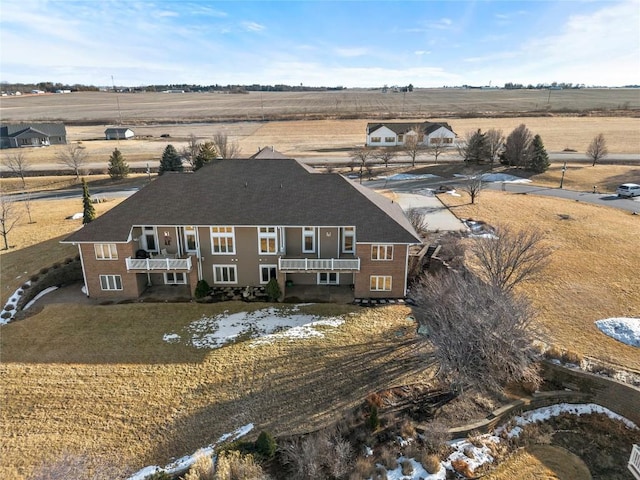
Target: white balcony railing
x=318 y=264
x=634 y=462
x=148 y=264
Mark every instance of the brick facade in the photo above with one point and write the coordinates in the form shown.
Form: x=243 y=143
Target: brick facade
x=396 y=268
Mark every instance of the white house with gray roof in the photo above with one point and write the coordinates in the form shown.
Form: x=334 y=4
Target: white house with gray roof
x=118 y=133
x=243 y=222
x=18 y=135
x=394 y=134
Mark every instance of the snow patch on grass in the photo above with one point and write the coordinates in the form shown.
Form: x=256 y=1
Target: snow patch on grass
x=266 y=325
x=12 y=303
x=625 y=330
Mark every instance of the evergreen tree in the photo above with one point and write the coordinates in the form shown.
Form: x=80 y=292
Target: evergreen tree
x=477 y=149
x=170 y=161
x=539 y=160
x=517 y=149
x=118 y=168
x=206 y=153
x=88 y=212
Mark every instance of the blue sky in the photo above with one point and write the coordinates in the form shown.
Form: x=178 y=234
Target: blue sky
x=323 y=43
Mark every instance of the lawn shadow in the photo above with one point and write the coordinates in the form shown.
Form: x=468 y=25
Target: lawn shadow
x=322 y=388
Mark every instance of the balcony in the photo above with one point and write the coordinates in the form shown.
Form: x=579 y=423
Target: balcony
x=319 y=264
x=158 y=263
x=634 y=462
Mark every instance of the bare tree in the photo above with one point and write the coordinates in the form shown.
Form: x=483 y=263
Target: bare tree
x=413 y=147
x=473 y=186
x=597 y=149
x=482 y=335
x=417 y=219
x=190 y=152
x=226 y=148
x=495 y=142
x=27 y=206
x=517 y=148
x=386 y=155
x=9 y=216
x=511 y=258
x=437 y=146
x=360 y=156
x=18 y=164
x=74 y=157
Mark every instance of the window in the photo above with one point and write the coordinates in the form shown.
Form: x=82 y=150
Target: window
x=376 y=139
x=224 y=274
x=267 y=272
x=440 y=140
x=106 y=251
x=175 y=278
x=380 y=283
x=267 y=240
x=110 y=282
x=348 y=239
x=308 y=239
x=190 y=239
x=389 y=139
x=223 y=240
x=400 y=137
x=149 y=238
x=328 y=278
x=167 y=239
x=381 y=252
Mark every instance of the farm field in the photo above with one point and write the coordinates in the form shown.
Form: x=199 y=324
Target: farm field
x=151 y=107
x=332 y=139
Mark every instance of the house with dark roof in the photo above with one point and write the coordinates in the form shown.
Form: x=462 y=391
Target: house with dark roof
x=118 y=133
x=32 y=135
x=244 y=222
x=393 y=134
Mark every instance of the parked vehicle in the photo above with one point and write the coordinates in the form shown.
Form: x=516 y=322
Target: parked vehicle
x=629 y=190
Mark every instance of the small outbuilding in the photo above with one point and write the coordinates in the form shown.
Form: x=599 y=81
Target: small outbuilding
x=118 y=133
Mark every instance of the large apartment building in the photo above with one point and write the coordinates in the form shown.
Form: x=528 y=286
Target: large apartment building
x=244 y=222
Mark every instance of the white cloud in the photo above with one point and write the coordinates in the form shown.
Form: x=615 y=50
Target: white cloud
x=442 y=24
x=600 y=48
x=422 y=52
x=253 y=26
x=166 y=13
x=351 y=52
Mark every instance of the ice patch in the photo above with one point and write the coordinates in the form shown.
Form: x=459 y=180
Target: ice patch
x=171 y=337
x=409 y=176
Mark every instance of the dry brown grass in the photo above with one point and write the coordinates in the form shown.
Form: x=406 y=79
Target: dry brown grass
x=101 y=379
x=36 y=245
x=584 y=177
x=334 y=138
x=542 y=462
x=593 y=269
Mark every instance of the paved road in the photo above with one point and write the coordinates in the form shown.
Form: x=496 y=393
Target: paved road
x=415 y=186
x=343 y=158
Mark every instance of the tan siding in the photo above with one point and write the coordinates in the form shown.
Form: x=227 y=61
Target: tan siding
x=294 y=242
x=329 y=241
x=396 y=268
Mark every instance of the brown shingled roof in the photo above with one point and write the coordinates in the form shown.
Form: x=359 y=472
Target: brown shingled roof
x=253 y=192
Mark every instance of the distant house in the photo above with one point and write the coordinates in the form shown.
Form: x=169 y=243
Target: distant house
x=392 y=134
x=118 y=133
x=257 y=219
x=32 y=135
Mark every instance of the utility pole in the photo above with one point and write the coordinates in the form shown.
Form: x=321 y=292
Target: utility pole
x=117 y=102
